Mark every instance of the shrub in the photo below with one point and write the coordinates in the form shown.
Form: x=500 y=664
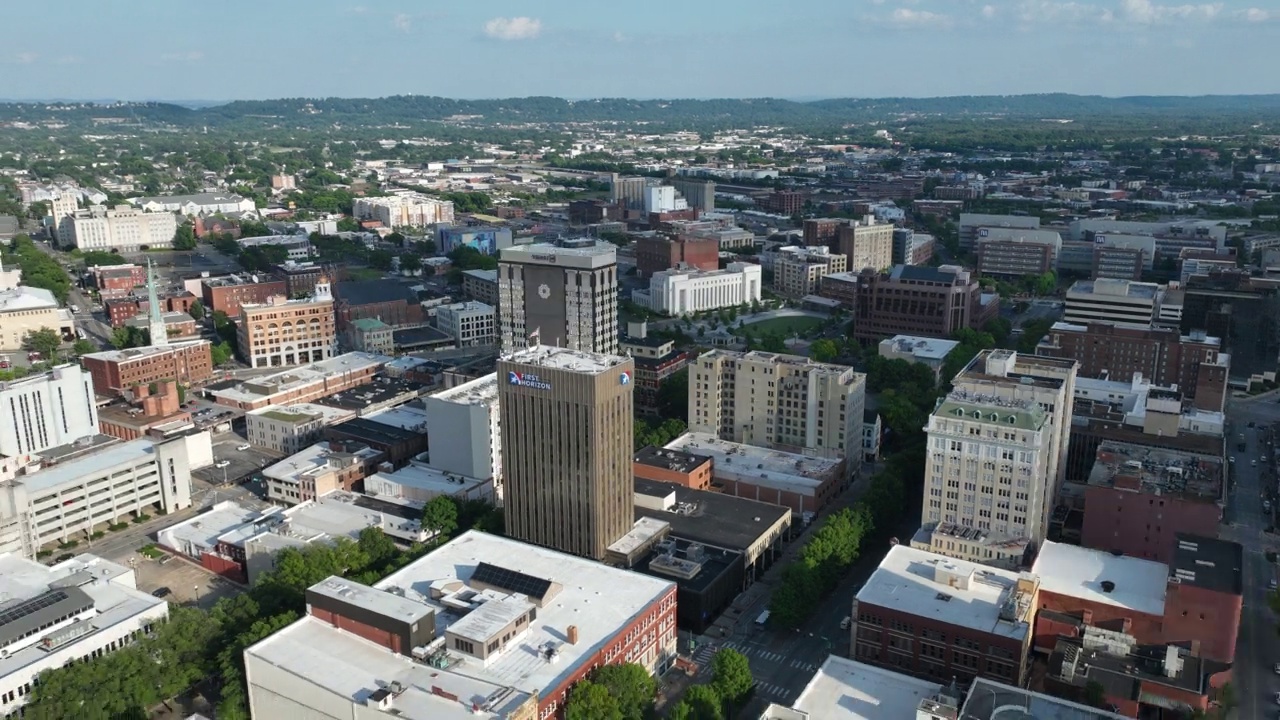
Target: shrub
x=97 y=535
x=141 y=519
x=68 y=544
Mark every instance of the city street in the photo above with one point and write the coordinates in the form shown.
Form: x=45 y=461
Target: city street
x=1258 y=647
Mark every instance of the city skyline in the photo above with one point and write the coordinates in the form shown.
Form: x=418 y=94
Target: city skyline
x=873 y=48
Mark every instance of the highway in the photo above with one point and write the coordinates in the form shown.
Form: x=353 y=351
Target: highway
x=1258 y=646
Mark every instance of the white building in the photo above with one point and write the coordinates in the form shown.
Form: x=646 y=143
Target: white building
x=482 y=627
x=76 y=610
x=662 y=198
x=25 y=310
x=408 y=209
x=316 y=470
x=290 y=428
x=468 y=323
x=798 y=271
x=1123 y=302
x=297 y=246
x=924 y=350
x=681 y=292
x=123 y=228
x=198 y=204
x=96 y=482
x=466 y=438
x=844 y=689
x=39 y=412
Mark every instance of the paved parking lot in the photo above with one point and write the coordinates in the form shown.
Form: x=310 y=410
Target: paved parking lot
x=240 y=463
x=188 y=583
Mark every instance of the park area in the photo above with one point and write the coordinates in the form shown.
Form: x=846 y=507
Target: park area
x=785 y=326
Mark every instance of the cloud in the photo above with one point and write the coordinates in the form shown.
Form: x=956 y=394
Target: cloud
x=1146 y=12
x=358 y=10
x=917 y=18
x=189 y=56
x=1256 y=15
x=989 y=11
x=68 y=60
x=514 y=28
x=618 y=37
x=402 y=22
x=26 y=58
x=1037 y=11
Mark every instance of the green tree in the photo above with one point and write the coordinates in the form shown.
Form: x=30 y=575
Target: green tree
x=348 y=224
x=196 y=310
x=45 y=341
x=440 y=515
x=410 y=263
x=673 y=396
x=380 y=259
x=630 y=685
x=395 y=238
x=220 y=354
x=184 y=238
x=589 y=701
x=731 y=674
x=704 y=703
x=824 y=350
x=82 y=347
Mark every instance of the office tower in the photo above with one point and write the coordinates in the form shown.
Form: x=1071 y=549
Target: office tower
x=39 y=412
x=866 y=244
x=777 y=401
x=566 y=419
x=798 y=271
x=563 y=295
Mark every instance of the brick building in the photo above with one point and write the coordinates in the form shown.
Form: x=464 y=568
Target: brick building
x=655 y=254
x=115 y=281
x=590 y=212
x=920 y=301
x=822 y=231
x=1194 y=363
x=783 y=202
x=149 y=410
x=673 y=466
x=282 y=332
x=935 y=617
x=228 y=293
x=392 y=303
x=800 y=482
x=1139 y=498
x=114 y=371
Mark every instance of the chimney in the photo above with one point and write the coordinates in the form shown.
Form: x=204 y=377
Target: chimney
x=573 y=634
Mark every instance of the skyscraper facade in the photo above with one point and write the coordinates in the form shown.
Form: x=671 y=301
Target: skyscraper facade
x=566 y=446
x=562 y=295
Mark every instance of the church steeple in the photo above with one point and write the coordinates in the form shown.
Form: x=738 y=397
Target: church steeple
x=159 y=333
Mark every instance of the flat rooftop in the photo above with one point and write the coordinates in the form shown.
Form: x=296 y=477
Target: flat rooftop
x=711 y=518
x=598 y=600
x=410 y=416
x=844 y=689
x=381 y=390
x=144 y=353
x=372 y=431
x=1208 y=563
x=302 y=376
x=313 y=460
x=1114 y=288
x=418 y=476
x=916 y=581
x=757 y=465
x=1078 y=572
x=558 y=358
x=1158 y=471
x=299 y=413
x=990 y=700
x=675 y=460
x=120 y=454
x=481 y=391
x=921 y=347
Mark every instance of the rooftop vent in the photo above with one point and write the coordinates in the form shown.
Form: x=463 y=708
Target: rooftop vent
x=1108 y=586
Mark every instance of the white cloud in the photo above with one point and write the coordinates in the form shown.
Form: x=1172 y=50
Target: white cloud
x=909 y=17
x=1035 y=11
x=513 y=28
x=1256 y=15
x=618 y=37
x=190 y=56
x=1147 y=12
x=989 y=11
x=402 y=22
x=26 y=58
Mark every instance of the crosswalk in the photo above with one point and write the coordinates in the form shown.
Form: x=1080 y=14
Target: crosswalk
x=775 y=693
x=777 y=658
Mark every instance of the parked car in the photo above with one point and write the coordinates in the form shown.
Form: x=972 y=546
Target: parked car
x=221 y=464
x=844 y=624
x=162 y=592
x=243 y=447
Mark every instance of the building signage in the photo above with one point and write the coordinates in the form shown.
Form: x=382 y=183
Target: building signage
x=625 y=378
x=543 y=258
x=527 y=380
x=1100 y=239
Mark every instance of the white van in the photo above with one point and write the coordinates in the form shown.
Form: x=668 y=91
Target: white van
x=763 y=619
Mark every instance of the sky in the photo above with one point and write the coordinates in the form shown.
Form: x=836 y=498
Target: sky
x=186 y=50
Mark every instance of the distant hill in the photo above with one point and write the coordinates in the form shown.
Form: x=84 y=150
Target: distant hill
x=415 y=109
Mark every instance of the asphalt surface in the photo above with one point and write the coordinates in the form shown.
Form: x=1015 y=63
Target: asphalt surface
x=1258 y=645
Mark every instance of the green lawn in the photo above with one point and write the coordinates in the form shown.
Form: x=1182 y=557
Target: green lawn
x=365 y=273
x=788 y=326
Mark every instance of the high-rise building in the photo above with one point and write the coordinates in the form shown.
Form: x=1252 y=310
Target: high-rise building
x=866 y=244
x=122 y=228
x=998 y=454
x=798 y=271
x=1115 y=301
x=409 y=209
x=283 y=332
x=39 y=412
x=562 y=295
x=785 y=402
x=566 y=419
x=909 y=300
x=62 y=207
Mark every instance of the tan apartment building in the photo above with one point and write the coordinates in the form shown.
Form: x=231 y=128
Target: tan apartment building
x=284 y=332
x=798 y=271
x=784 y=402
x=866 y=243
x=566 y=418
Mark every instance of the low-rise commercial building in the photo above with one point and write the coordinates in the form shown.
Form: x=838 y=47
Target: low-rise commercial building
x=318 y=470
x=657 y=360
x=468 y=323
x=24 y=310
x=683 y=292
x=393 y=303
x=227 y=293
x=74 y=611
x=399 y=445
x=803 y=484
x=116 y=371
x=674 y=467
x=456 y=629
x=290 y=428
x=370 y=335
x=930 y=352
x=296 y=247
x=302 y=384
x=117 y=280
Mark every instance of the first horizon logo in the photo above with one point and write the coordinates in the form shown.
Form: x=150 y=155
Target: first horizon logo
x=527 y=380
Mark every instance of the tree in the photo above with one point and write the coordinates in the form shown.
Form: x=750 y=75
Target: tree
x=731 y=674
x=395 y=238
x=82 y=347
x=380 y=259
x=1045 y=284
x=704 y=703
x=440 y=515
x=220 y=354
x=45 y=341
x=184 y=238
x=196 y=310
x=348 y=224
x=410 y=263
x=824 y=350
x=673 y=396
x=589 y=701
x=631 y=685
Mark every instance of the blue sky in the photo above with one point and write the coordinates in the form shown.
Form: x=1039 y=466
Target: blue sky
x=231 y=49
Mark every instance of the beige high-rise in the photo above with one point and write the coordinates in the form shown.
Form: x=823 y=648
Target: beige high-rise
x=282 y=332
x=866 y=244
x=786 y=402
x=566 y=419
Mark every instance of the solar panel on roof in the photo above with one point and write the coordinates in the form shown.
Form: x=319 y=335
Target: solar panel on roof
x=511 y=580
x=33 y=605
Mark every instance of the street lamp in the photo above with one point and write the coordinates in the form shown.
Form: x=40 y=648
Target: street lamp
x=197 y=589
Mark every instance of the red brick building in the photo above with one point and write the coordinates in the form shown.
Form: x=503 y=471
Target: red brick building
x=229 y=292
x=121 y=310
x=673 y=466
x=206 y=226
x=785 y=202
x=114 y=371
x=909 y=300
x=655 y=254
x=944 y=619
x=823 y=231
x=392 y=303
x=1195 y=363
x=148 y=409
x=1139 y=498
x=115 y=281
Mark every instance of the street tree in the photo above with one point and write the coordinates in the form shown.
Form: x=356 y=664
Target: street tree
x=45 y=341
x=589 y=701
x=731 y=674
x=704 y=703
x=631 y=685
x=82 y=347
x=196 y=310
x=440 y=515
x=824 y=350
x=184 y=238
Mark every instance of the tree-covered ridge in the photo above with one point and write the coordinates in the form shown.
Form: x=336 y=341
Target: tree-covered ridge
x=728 y=112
